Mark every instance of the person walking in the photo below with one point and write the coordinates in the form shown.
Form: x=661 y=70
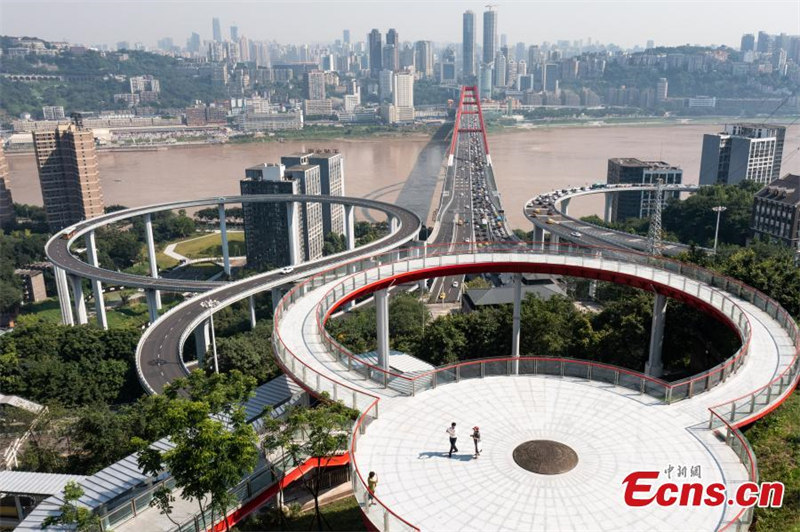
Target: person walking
x=372 y=483
x=451 y=431
x=476 y=437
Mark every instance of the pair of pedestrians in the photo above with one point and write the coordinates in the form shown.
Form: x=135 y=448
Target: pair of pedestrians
x=453 y=435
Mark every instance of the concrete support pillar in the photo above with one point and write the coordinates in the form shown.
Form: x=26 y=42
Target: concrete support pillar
x=538 y=238
x=394 y=224
x=252 y=312
x=382 y=311
x=97 y=287
x=350 y=226
x=422 y=286
x=554 y=241
x=294 y=232
x=516 y=323
x=202 y=341
x=151 y=255
x=654 y=366
x=77 y=294
x=276 y=297
x=152 y=304
x=592 y=289
x=565 y=206
x=609 y=210
x=226 y=258
x=63 y=296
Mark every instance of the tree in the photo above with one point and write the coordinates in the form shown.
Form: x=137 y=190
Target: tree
x=325 y=431
x=334 y=243
x=209 y=456
x=443 y=342
x=71 y=514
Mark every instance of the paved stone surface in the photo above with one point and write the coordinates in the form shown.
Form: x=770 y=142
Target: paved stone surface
x=611 y=430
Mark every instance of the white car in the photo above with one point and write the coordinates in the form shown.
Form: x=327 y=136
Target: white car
x=576 y=234
x=455 y=284
x=287 y=270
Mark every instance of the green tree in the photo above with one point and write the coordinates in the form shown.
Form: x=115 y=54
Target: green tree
x=209 y=456
x=72 y=515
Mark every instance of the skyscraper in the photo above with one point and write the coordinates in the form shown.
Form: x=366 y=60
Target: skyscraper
x=268 y=241
x=385 y=84
x=315 y=85
x=662 y=88
x=234 y=33
x=403 y=91
x=331 y=174
x=391 y=59
x=424 y=58
x=748 y=43
x=193 y=44
x=742 y=152
x=346 y=37
x=448 y=66
x=68 y=175
x=499 y=70
x=393 y=40
x=764 y=45
x=489 y=35
x=375 y=52
x=634 y=171
x=6 y=203
x=468 y=44
x=216 y=30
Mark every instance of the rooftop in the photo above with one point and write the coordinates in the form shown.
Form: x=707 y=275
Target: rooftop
x=785 y=189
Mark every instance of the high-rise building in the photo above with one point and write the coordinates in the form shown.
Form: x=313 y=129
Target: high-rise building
x=193 y=44
x=748 y=43
x=634 y=171
x=216 y=30
x=485 y=89
x=534 y=58
x=389 y=56
x=424 y=58
x=550 y=77
x=662 y=88
x=776 y=212
x=234 y=33
x=764 y=45
x=468 y=44
x=489 y=35
x=393 y=40
x=346 y=37
x=331 y=174
x=447 y=73
x=375 y=52
x=268 y=241
x=742 y=152
x=385 y=85
x=6 y=203
x=499 y=70
x=403 y=91
x=314 y=82
x=68 y=175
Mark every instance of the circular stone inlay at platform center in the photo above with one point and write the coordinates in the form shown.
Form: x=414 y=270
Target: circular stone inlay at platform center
x=545 y=457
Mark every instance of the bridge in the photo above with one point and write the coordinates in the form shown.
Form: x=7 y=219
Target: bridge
x=615 y=420
x=549 y=215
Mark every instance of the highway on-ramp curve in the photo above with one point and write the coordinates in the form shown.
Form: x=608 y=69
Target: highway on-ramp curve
x=158 y=357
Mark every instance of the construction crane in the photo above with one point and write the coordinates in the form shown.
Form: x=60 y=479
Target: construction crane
x=491 y=6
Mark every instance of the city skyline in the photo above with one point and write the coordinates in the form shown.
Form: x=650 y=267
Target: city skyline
x=619 y=23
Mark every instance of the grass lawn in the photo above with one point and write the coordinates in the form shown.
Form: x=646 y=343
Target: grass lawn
x=165 y=261
x=48 y=310
x=210 y=245
x=343 y=515
x=776 y=442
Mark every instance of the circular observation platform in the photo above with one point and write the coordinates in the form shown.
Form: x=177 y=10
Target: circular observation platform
x=612 y=431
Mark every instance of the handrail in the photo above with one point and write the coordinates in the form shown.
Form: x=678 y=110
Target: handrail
x=723 y=370
x=646 y=385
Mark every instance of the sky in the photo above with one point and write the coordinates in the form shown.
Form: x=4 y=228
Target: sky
x=626 y=24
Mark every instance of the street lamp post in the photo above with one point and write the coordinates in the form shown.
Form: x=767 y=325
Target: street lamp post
x=719 y=210
x=211 y=304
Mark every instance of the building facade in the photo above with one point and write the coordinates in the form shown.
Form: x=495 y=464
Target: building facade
x=468 y=45
x=331 y=177
x=776 y=212
x=267 y=225
x=375 y=41
x=6 y=202
x=68 y=175
x=742 y=152
x=489 y=35
x=315 y=85
x=640 y=204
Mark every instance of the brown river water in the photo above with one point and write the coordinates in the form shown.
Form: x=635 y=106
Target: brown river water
x=526 y=163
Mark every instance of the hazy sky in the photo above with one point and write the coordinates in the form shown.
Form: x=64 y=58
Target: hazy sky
x=623 y=23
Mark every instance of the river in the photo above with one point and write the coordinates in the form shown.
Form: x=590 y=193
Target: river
x=526 y=163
